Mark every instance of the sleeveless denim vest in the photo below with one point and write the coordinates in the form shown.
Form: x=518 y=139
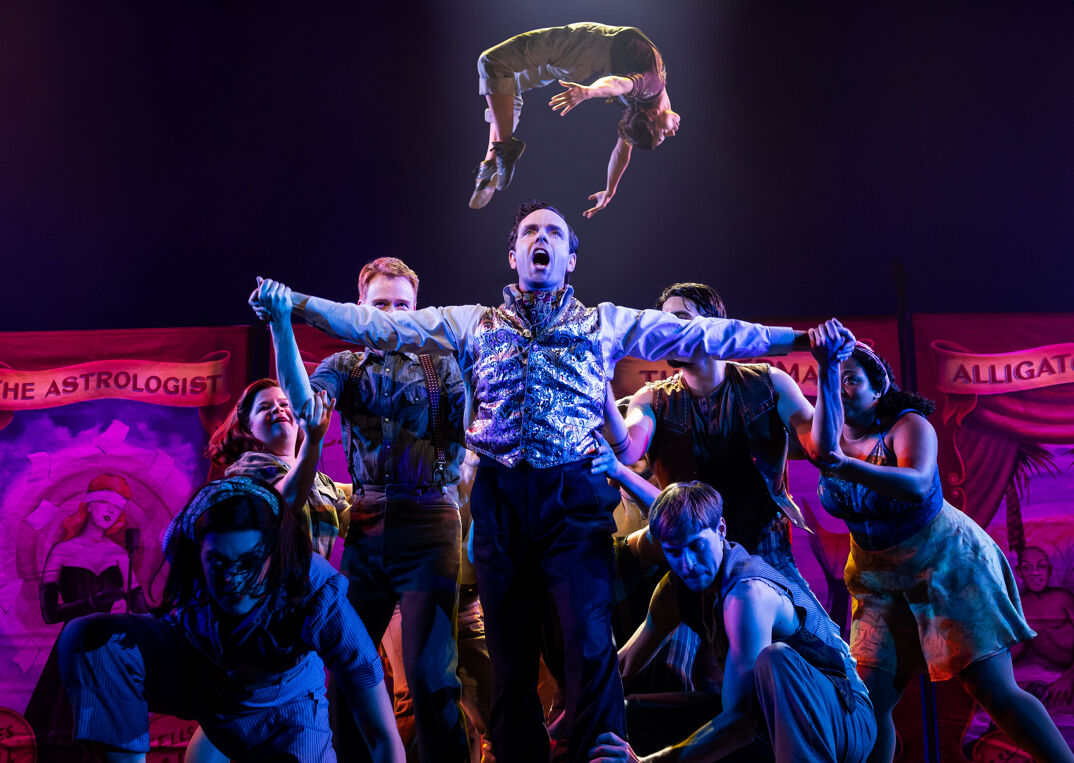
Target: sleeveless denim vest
x=755 y=400
x=817 y=639
x=539 y=393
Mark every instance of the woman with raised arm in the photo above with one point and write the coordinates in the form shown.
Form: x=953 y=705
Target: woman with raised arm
x=932 y=591
x=262 y=438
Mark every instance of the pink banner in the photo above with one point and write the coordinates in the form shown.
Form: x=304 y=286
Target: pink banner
x=188 y=385
x=960 y=372
x=132 y=409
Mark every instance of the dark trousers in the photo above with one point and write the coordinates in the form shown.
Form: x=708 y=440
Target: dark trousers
x=403 y=548
x=540 y=536
x=475 y=672
x=804 y=714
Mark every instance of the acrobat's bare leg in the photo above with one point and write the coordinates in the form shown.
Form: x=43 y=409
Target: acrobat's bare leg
x=501 y=126
x=504 y=147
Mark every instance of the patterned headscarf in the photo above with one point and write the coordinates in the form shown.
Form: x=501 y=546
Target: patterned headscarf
x=208 y=496
x=870 y=353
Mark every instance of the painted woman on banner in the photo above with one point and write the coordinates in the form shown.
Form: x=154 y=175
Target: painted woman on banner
x=89 y=570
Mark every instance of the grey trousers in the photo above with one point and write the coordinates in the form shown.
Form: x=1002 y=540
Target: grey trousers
x=576 y=52
x=806 y=718
x=800 y=715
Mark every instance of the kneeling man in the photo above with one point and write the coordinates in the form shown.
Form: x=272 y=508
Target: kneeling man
x=789 y=683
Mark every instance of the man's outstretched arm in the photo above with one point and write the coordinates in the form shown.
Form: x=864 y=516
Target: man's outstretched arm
x=575 y=94
x=434 y=330
x=653 y=335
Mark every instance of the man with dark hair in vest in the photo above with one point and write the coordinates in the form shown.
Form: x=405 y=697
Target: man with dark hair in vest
x=730 y=425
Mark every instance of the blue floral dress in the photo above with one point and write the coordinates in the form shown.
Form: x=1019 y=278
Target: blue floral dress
x=932 y=591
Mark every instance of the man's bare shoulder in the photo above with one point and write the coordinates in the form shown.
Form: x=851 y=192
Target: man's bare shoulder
x=755 y=591
x=643 y=397
x=783 y=381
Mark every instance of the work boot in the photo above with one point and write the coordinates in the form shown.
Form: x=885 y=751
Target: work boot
x=507 y=153
x=484 y=184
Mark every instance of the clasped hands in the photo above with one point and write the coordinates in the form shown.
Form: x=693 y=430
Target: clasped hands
x=831 y=343
x=271 y=300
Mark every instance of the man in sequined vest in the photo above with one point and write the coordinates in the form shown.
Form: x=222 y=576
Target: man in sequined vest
x=537 y=368
x=404 y=540
x=790 y=688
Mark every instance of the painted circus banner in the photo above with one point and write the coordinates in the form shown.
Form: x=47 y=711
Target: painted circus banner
x=101 y=443
x=959 y=372
x=190 y=385
x=1004 y=387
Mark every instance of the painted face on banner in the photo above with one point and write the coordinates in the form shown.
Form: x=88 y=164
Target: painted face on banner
x=104 y=513
x=234 y=564
x=1035 y=569
x=696 y=555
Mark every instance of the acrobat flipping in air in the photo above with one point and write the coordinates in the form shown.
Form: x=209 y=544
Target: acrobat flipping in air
x=627 y=66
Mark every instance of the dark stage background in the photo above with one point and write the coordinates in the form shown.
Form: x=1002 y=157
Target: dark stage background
x=155 y=157
x=855 y=159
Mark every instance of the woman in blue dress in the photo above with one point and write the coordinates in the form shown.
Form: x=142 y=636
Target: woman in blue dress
x=932 y=591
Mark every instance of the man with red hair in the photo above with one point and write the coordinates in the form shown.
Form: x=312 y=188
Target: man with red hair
x=402 y=417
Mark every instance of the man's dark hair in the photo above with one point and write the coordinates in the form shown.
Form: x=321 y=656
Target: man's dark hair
x=692 y=506
x=704 y=297
x=636 y=127
x=531 y=206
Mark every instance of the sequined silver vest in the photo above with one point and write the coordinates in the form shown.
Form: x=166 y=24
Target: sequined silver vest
x=539 y=395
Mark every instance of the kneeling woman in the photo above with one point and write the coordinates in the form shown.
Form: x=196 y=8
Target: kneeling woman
x=250 y=615
x=932 y=591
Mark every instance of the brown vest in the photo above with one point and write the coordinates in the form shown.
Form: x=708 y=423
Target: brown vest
x=755 y=399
